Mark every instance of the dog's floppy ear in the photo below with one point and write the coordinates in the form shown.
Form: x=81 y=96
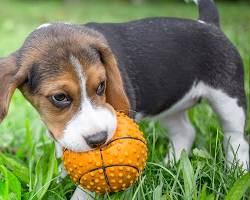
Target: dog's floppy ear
x=10 y=78
x=115 y=93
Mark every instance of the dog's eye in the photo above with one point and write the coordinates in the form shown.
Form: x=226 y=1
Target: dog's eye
x=101 y=88
x=60 y=100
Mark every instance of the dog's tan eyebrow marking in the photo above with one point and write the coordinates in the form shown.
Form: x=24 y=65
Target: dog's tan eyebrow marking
x=37 y=74
x=81 y=75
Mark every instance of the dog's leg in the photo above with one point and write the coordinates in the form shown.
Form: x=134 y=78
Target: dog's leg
x=80 y=194
x=233 y=119
x=181 y=134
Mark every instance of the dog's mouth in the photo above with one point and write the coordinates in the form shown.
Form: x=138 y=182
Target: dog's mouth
x=90 y=147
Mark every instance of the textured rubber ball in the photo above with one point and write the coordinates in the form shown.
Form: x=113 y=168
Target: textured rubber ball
x=114 y=166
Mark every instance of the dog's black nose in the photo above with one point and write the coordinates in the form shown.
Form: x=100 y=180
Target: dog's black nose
x=97 y=139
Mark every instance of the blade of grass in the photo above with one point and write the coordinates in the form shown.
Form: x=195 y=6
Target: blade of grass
x=169 y=172
x=137 y=190
x=44 y=173
x=188 y=177
x=4 y=189
x=12 y=188
x=204 y=195
x=239 y=188
x=14 y=185
x=157 y=194
x=20 y=170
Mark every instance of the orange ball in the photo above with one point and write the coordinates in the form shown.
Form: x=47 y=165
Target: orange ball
x=114 y=166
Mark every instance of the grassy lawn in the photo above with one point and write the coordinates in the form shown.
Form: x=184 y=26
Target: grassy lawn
x=28 y=168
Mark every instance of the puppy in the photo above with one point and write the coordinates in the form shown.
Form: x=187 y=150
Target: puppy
x=76 y=76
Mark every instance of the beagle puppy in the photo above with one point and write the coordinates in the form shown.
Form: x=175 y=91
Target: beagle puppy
x=77 y=76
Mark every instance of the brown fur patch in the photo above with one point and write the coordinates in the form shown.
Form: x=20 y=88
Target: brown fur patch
x=44 y=62
x=9 y=81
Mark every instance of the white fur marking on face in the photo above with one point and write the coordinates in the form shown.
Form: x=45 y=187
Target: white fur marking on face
x=89 y=119
x=78 y=67
x=43 y=26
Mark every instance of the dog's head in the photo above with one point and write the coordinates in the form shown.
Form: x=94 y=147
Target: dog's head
x=70 y=75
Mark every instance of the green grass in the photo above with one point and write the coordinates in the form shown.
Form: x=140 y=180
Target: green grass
x=28 y=168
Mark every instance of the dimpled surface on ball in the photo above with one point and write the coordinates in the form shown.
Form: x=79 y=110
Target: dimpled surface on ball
x=113 y=167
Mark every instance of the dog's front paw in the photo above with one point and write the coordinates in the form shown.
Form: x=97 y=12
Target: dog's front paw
x=80 y=194
x=62 y=171
x=238 y=154
x=170 y=158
